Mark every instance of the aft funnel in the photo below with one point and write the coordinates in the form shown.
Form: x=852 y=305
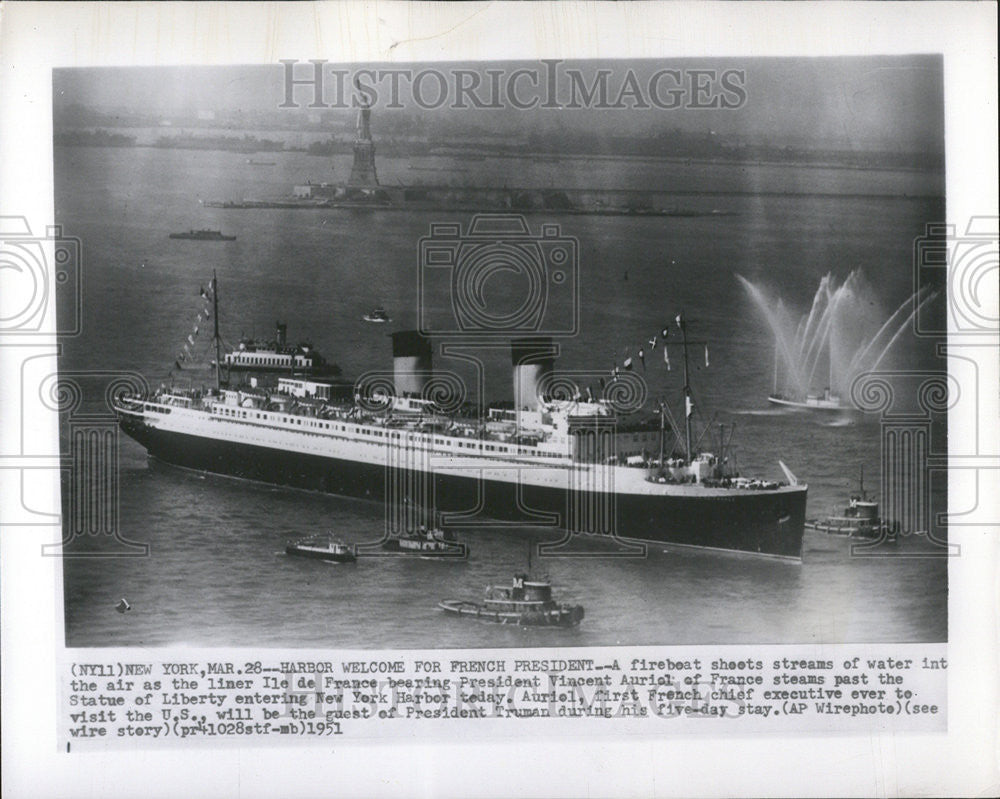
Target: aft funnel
x=532 y=360
x=411 y=362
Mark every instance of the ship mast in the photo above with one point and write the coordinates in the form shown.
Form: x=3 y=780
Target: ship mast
x=662 y=431
x=688 y=405
x=218 y=343
x=775 y=389
x=830 y=378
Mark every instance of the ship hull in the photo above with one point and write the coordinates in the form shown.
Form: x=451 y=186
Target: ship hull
x=318 y=553
x=556 y=617
x=762 y=523
x=418 y=551
x=818 y=405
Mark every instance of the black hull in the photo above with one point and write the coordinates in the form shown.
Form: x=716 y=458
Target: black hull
x=393 y=545
x=562 y=617
x=185 y=237
x=763 y=523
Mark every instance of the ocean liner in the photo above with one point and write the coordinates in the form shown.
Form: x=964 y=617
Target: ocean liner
x=553 y=459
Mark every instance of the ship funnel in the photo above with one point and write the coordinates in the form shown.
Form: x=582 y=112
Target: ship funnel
x=532 y=360
x=281 y=333
x=411 y=362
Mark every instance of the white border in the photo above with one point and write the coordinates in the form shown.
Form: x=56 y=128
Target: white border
x=37 y=37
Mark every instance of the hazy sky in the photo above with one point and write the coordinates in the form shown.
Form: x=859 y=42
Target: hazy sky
x=889 y=102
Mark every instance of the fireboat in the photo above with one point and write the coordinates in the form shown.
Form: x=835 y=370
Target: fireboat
x=826 y=401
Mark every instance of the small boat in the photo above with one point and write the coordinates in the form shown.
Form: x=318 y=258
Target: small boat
x=252 y=162
x=322 y=550
x=426 y=543
x=377 y=316
x=859 y=519
x=203 y=235
x=827 y=401
x=812 y=402
x=527 y=602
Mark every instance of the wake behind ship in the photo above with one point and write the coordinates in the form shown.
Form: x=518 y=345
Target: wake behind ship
x=560 y=462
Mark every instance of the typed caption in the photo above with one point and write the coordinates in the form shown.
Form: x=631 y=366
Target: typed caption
x=145 y=699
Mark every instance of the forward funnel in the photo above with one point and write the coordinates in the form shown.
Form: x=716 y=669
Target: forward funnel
x=411 y=362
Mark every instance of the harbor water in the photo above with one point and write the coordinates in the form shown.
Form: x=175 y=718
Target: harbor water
x=216 y=573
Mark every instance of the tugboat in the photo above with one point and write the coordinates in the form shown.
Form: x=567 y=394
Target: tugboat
x=427 y=543
x=859 y=519
x=322 y=550
x=203 y=235
x=527 y=602
x=378 y=316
